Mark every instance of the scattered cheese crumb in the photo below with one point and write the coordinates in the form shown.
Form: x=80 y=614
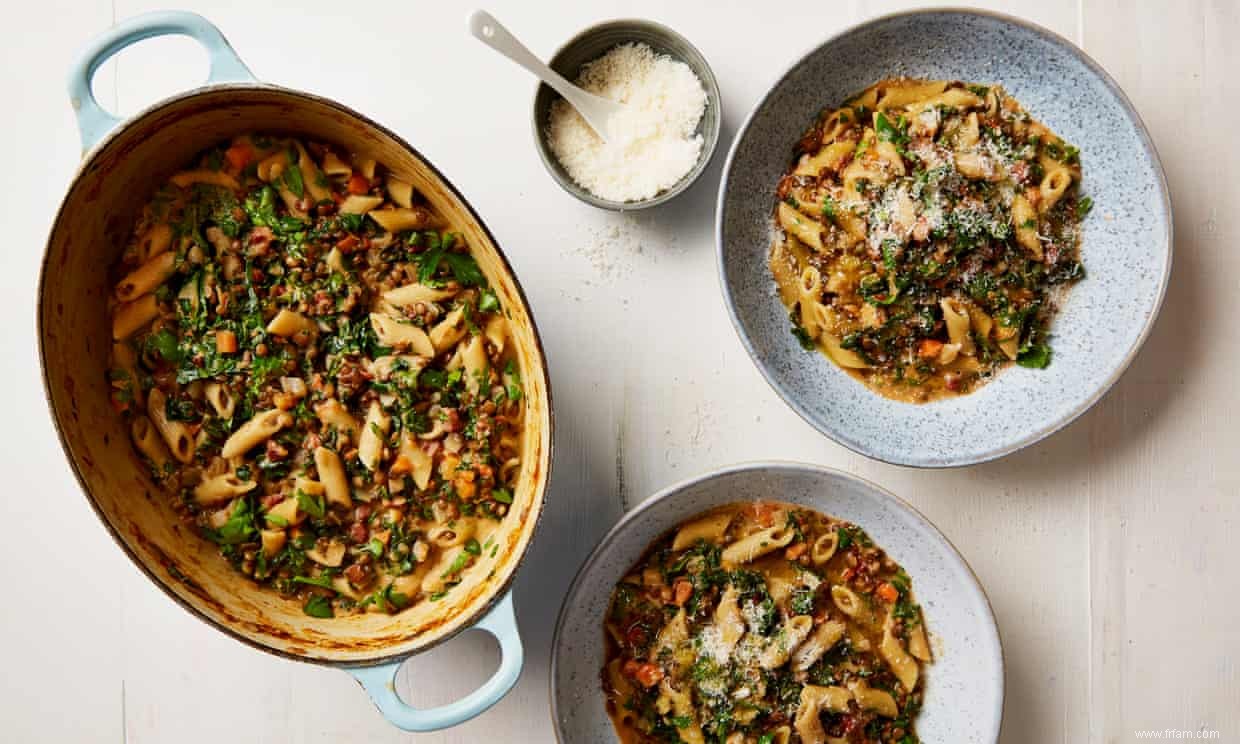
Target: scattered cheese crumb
x=652 y=145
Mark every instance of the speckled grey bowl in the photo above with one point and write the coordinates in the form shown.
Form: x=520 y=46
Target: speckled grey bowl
x=964 y=685
x=1126 y=248
x=593 y=43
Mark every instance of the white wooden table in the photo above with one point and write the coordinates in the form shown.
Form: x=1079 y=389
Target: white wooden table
x=1107 y=550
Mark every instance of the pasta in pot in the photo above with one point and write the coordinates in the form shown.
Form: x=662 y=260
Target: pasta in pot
x=946 y=222
x=315 y=367
x=809 y=634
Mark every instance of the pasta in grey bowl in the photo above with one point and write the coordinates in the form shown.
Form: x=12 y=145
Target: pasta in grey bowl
x=963 y=699
x=1094 y=323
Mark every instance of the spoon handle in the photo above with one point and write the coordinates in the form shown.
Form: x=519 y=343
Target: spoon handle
x=484 y=28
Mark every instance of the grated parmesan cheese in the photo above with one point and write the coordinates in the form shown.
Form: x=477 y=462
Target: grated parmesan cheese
x=710 y=644
x=651 y=145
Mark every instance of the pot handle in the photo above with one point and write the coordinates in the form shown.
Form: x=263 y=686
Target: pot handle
x=93 y=120
x=380 y=681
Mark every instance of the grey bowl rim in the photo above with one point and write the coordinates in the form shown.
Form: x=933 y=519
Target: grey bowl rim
x=638 y=512
x=1038 y=433
x=711 y=140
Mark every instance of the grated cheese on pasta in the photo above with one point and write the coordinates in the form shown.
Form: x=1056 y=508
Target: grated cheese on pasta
x=651 y=145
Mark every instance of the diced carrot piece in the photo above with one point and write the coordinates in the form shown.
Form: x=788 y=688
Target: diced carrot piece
x=358 y=185
x=225 y=342
x=239 y=155
x=681 y=592
x=929 y=348
x=887 y=592
x=649 y=675
x=795 y=551
x=764 y=513
x=401 y=466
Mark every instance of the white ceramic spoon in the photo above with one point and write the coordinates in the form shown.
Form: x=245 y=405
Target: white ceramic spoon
x=594 y=109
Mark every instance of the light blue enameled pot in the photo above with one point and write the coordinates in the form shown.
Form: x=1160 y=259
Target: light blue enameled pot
x=124 y=162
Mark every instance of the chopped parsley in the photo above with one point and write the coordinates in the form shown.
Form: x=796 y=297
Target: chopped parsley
x=828 y=207
x=240 y=525
x=293 y=180
x=318 y=606
x=1084 y=206
x=1036 y=356
x=312 y=505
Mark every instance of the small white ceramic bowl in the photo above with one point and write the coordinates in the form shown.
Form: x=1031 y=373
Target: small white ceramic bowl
x=964 y=685
x=593 y=43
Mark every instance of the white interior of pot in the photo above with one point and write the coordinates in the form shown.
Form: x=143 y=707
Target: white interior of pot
x=89 y=234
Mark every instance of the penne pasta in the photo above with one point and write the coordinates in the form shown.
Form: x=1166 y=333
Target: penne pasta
x=449 y=330
x=288 y=323
x=496 y=333
x=959 y=326
x=815 y=700
x=909 y=209
x=475 y=364
x=131 y=317
x=902 y=664
x=273 y=541
x=411 y=294
x=756 y=545
x=366 y=166
x=405 y=336
x=693 y=637
x=879 y=701
x=146 y=439
x=334 y=166
x=272 y=357
x=272 y=167
x=313 y=179
x=221 y=400
x=778 y=650
x=451 y=535
x=401 y=193
x=802 y=228
x=825 y=635
x=846 y=600
x=401 y=219
x=1025 y=222
x=335 y=416
x=156 y=240
x=287 y=512
x=255 y=432
x=332 y=476
x=185 y=179
x=221 y=489
x=147 y=277
x=374 y=432
x=359 y=204
x=824 y=548
x=175 y=433
x=709 y=529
